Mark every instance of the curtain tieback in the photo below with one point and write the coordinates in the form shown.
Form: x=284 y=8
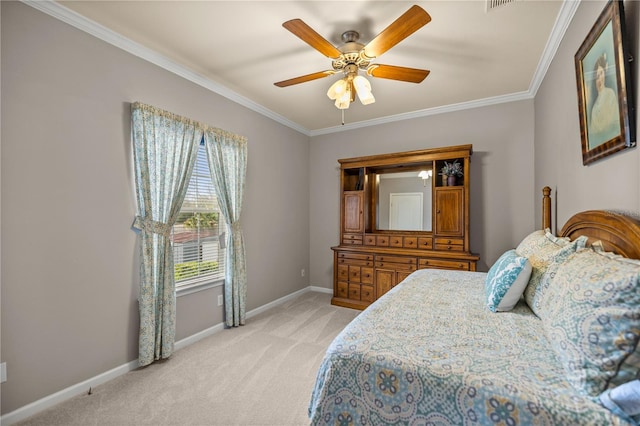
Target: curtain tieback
x=145 y=224
x=236 y=228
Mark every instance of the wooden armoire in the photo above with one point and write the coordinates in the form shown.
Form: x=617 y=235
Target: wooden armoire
x=397 y=215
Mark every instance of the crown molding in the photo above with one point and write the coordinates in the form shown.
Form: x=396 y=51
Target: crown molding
x=564 y=18
x=56 y=10
x=78 y=21
x=426 y=112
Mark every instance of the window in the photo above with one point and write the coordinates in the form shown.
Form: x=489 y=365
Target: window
x=198 y=254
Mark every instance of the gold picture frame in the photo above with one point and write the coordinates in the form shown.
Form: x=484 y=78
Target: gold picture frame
x=604 y=87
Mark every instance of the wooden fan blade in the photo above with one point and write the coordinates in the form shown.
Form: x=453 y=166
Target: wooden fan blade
x=412 y=75
x=312 y=38
x=411 y=21
x=305 y=78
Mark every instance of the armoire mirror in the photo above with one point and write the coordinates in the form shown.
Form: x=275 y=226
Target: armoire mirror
x=404 y=198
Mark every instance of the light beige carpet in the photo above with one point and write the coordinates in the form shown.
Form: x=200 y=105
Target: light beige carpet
x=258 y=374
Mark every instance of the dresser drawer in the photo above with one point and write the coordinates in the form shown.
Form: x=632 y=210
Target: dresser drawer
x=450 y=244
x=396 y=266
x=343 y=272
x=354 y=274
x=443 y=264
x=396 y=263
x=355 y=259
x=369 y=240
x=410 y=242
x=366 y=275
x=343 y=289
x=396 y=259
x=352 y=239
x=354 y=291
x=450 y=241
x=425 y=243
x=382 y=240
x=395 y=241
x=366 y=293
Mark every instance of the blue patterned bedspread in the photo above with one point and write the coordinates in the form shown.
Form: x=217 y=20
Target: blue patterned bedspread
x=430 y=352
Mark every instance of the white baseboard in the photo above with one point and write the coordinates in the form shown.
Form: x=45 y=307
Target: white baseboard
x=82 y=387
x=321 y=289
x=65 y=394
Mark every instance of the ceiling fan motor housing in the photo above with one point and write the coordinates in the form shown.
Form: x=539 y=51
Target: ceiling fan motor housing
x=352 y=54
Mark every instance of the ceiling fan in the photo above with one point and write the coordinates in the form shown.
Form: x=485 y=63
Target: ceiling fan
x=354 y=56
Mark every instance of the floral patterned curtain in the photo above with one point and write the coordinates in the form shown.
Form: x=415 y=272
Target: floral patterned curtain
x=227 y=154
x=165 y=147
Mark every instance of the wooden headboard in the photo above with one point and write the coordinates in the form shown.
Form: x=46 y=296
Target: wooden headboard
x=618 y=231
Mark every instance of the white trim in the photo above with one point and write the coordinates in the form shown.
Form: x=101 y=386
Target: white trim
x=426 y=112
x=198 y=286
x=65 y=394
x=565 y=16
x=78 y=21
x=261 y=309
x=198 y=336
x=84 y=386
x=51 y=8
x=321 y=289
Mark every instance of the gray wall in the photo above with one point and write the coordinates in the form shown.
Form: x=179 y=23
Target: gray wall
x=613 y=182
x=69 y=258
x=501 y=175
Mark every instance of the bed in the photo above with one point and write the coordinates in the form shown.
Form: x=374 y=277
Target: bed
x=431 y=352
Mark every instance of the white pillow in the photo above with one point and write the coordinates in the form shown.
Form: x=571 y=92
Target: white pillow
x=506 y=281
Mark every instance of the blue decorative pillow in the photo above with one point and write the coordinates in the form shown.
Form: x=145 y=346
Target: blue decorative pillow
x=506 y=281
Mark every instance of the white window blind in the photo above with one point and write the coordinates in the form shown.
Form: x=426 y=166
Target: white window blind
x=198 y=256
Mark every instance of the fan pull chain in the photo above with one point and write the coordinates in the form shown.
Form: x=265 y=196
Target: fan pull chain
x=342 y=116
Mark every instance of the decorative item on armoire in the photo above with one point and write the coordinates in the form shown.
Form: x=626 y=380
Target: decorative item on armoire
x=452 y=171
x=605 y=95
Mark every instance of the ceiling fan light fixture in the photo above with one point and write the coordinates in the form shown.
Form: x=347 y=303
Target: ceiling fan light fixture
x=344 y=100
x=337 y=89
x=363 y=89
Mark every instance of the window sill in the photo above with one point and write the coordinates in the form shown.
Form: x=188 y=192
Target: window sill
x=198 y=286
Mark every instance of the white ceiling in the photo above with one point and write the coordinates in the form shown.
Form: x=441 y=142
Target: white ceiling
x=239 y=49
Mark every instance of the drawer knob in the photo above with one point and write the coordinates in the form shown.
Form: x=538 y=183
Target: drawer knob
x=448 y=247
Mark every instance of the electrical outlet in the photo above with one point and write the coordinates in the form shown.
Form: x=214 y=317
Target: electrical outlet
x=3 y=372
x=302 y=272
x=219 y=300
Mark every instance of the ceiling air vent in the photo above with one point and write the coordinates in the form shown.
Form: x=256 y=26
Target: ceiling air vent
x=494 y=4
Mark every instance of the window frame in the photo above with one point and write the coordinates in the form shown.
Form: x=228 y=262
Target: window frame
x=200 y=283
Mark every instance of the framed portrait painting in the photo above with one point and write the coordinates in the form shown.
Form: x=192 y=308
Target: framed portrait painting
x=604 y=87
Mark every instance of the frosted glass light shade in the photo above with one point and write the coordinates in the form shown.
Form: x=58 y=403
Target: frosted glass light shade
x=363 y=89
x=337 y=89
x=343 y=101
